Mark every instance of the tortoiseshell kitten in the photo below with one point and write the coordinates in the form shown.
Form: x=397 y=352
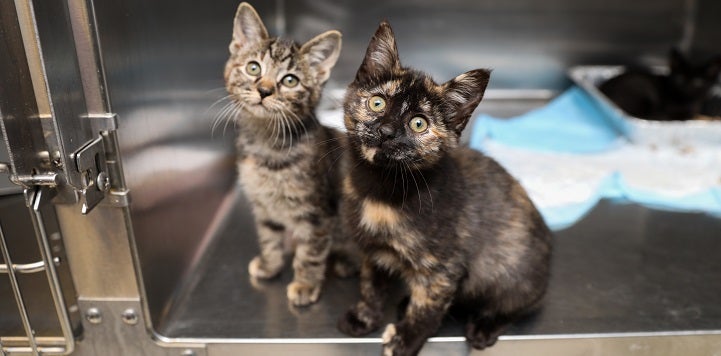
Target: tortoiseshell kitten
x=449 y=221
x=287 y=160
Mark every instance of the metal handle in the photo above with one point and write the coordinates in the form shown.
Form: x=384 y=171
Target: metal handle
x=24 y=268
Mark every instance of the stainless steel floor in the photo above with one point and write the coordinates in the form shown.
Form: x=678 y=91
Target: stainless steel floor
x=622 y=269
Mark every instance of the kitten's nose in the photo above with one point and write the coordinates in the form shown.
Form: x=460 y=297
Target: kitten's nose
x=387 y=131
x=265 y=91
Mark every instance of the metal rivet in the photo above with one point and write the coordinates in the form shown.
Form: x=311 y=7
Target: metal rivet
x=188 y=352
x=103 y=182
x=130 y=317
x=94 y=316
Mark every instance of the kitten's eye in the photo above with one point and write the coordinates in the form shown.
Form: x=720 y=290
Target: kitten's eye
x=418 y=124
x=290 y=80
x=376 y=103
x=253 y=68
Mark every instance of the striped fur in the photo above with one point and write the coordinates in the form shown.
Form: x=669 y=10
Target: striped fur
x=287 y=160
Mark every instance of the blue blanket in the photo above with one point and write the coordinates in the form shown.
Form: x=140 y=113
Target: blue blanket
x=574 y=124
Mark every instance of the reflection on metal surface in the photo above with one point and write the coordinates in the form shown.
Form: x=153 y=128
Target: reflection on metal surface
x=20 y=119
x=592 y=302
x=29 y=39
x=56 y=81
x=29 y=181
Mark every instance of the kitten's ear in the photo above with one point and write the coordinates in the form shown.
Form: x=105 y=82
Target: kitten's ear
x=322 y=52
x=248 y=28
x=381 y=55
x=463 y=93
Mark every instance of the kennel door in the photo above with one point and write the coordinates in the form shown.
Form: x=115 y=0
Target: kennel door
x=59 y=136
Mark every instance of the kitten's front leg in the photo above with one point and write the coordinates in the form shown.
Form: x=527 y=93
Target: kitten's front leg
x=366 y=316
x=309 y=263
x=431 y=295
x=270 y=238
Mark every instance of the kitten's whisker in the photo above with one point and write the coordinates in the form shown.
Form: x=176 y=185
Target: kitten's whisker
x=283 y=126
x=237 y=110
x=403 y=187
x=207 y=111
x=328 y=140
x=220 y=117
x=395 y=177
x=218 y=101
x=228 y=118
x=332 y=164
x=418 y=190
x=290 y=130
x=277 y=116
x=216 y=119
x=329 y=152
x=281 y=131
x=294 y=120
x=430 y=194
x=276 y=129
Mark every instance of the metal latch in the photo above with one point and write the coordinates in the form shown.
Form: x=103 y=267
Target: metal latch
x=90 y=162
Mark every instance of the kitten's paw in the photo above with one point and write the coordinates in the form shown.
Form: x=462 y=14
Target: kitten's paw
x=482 y=337
x=392 y=342
x=359 y=321
x=258 y=269
x=302 y=294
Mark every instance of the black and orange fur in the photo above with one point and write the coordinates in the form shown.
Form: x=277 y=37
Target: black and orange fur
x=447 y=220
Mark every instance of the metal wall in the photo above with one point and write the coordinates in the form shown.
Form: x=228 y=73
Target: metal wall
x=164 y=61
x=707 y=28
x=528 y=43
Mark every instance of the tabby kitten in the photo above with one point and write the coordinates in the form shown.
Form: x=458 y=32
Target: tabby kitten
x=447 y=220
x=679 y=95
x=287 y=158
